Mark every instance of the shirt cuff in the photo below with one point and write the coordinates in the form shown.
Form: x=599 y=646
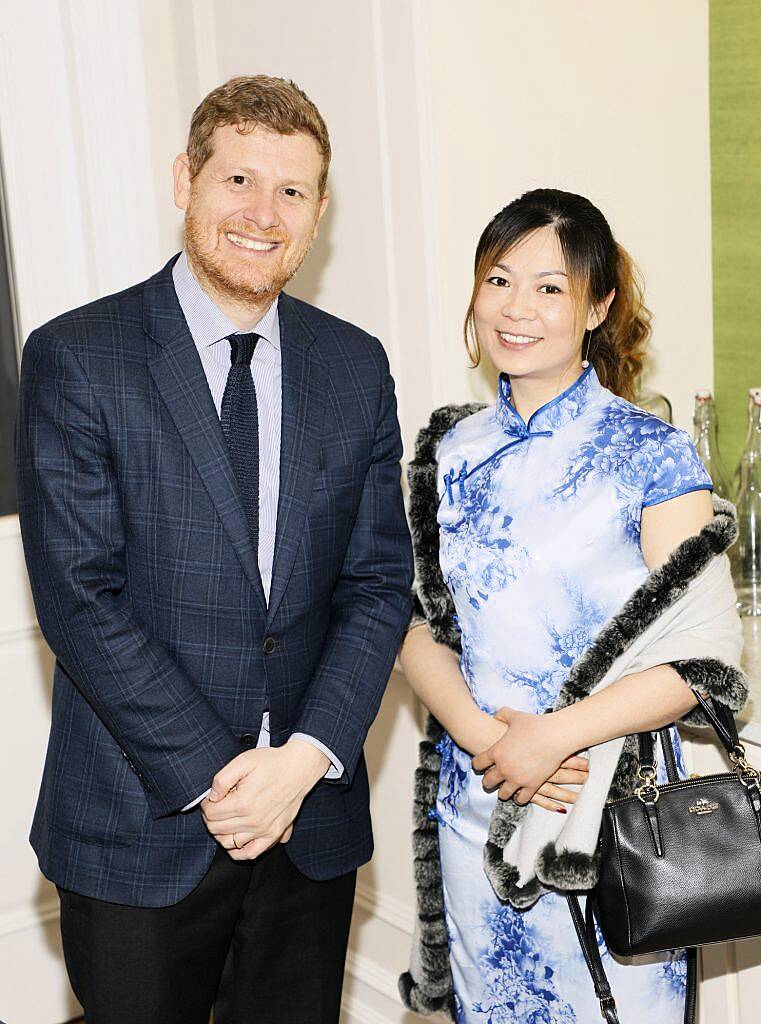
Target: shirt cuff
x=336 y=769
x=263 y=741
x=334 y=772
x=196 y=802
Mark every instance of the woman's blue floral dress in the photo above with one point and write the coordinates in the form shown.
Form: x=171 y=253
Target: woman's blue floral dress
x=539 y=546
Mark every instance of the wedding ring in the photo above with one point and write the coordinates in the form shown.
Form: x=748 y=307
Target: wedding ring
x=235 y=842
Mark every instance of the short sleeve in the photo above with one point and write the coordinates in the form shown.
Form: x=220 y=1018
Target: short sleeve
x=675 y=470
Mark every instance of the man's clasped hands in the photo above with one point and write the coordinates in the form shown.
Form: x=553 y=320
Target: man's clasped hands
x=255 y=798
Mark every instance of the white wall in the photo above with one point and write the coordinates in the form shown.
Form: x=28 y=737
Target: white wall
x=439 y=113
x=605 y=98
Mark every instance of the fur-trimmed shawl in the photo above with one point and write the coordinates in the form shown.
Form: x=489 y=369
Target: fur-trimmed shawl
x=427 y=986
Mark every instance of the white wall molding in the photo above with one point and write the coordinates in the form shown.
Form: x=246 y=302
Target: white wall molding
x=110 y=107
x=18 y=621
x=430 y=242
x=205 y=46
x=406 y=162
x=5 y=234
x=382 y=982
x=732 y=984
x=386 y=908
x=355 y=1011
x=371 y=973
x=30 y=632
x=390 y=232
x=33 y=985
x=39 y=164
x=16 y=195
x=22 y=919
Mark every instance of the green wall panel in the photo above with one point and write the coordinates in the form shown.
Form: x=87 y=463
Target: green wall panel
x=735 y=70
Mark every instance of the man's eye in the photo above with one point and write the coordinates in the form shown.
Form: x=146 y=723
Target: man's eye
x=238 y=179
x=500 y=282
x=291 y=192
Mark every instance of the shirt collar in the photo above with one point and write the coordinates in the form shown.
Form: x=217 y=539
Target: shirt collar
x=206 y=321
x=568 y=405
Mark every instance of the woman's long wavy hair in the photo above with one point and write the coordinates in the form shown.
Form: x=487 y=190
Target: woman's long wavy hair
x=595 y=264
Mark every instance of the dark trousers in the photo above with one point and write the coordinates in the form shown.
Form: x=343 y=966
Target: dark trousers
x=259 y=941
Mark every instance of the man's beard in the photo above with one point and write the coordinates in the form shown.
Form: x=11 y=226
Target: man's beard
x=236 y=281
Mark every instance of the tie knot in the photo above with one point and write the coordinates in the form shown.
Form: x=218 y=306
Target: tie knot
x=242 y=348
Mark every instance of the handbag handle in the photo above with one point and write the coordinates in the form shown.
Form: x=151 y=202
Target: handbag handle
x=722 y=719
x=724 y=725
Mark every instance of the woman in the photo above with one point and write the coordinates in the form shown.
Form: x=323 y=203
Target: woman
x=552 y=506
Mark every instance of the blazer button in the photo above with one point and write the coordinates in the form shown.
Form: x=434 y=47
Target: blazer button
x=269 y=645
x=248 y=740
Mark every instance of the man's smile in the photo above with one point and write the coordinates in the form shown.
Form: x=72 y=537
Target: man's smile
x=255 y=244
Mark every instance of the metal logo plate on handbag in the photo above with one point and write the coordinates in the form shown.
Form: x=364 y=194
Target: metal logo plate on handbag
x=703 y=806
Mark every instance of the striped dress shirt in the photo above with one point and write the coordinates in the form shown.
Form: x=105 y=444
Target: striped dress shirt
x=210 y=329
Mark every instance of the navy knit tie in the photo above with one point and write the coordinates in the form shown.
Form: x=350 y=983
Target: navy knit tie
x=240 y=424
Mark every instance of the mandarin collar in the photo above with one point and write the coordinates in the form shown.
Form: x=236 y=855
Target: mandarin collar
x=567 y=406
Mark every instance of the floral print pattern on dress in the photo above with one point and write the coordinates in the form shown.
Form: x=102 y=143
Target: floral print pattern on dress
x=539 y=546
x=453 y=777
x=519 y=983
x=650 y=461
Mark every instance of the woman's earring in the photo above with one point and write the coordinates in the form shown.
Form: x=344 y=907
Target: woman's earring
x=585 y=362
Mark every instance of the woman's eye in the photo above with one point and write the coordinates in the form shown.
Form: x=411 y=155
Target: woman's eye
x=238 y=179
x=499 y=282
x=551 y=289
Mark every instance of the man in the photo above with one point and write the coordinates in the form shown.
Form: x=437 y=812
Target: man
x=208 y=479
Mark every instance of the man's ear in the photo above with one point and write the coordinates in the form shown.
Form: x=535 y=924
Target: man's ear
x=181 y=176
x=321 y=209
x=598 y=313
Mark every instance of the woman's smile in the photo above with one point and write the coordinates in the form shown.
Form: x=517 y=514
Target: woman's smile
x=513 y=342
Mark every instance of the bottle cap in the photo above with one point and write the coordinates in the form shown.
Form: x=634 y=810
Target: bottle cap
x=702 y=395
x=755 y=395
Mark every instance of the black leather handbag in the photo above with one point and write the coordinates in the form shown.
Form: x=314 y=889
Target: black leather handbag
x=680 y=864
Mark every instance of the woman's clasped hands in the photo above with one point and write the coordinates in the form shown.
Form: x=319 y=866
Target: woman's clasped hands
x=532 y=762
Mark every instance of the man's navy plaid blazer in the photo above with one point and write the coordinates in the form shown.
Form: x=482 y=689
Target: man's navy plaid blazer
x=147 y=589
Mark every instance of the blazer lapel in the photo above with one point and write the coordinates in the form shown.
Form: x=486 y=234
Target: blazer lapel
x=179 y=376
x=303 y=390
